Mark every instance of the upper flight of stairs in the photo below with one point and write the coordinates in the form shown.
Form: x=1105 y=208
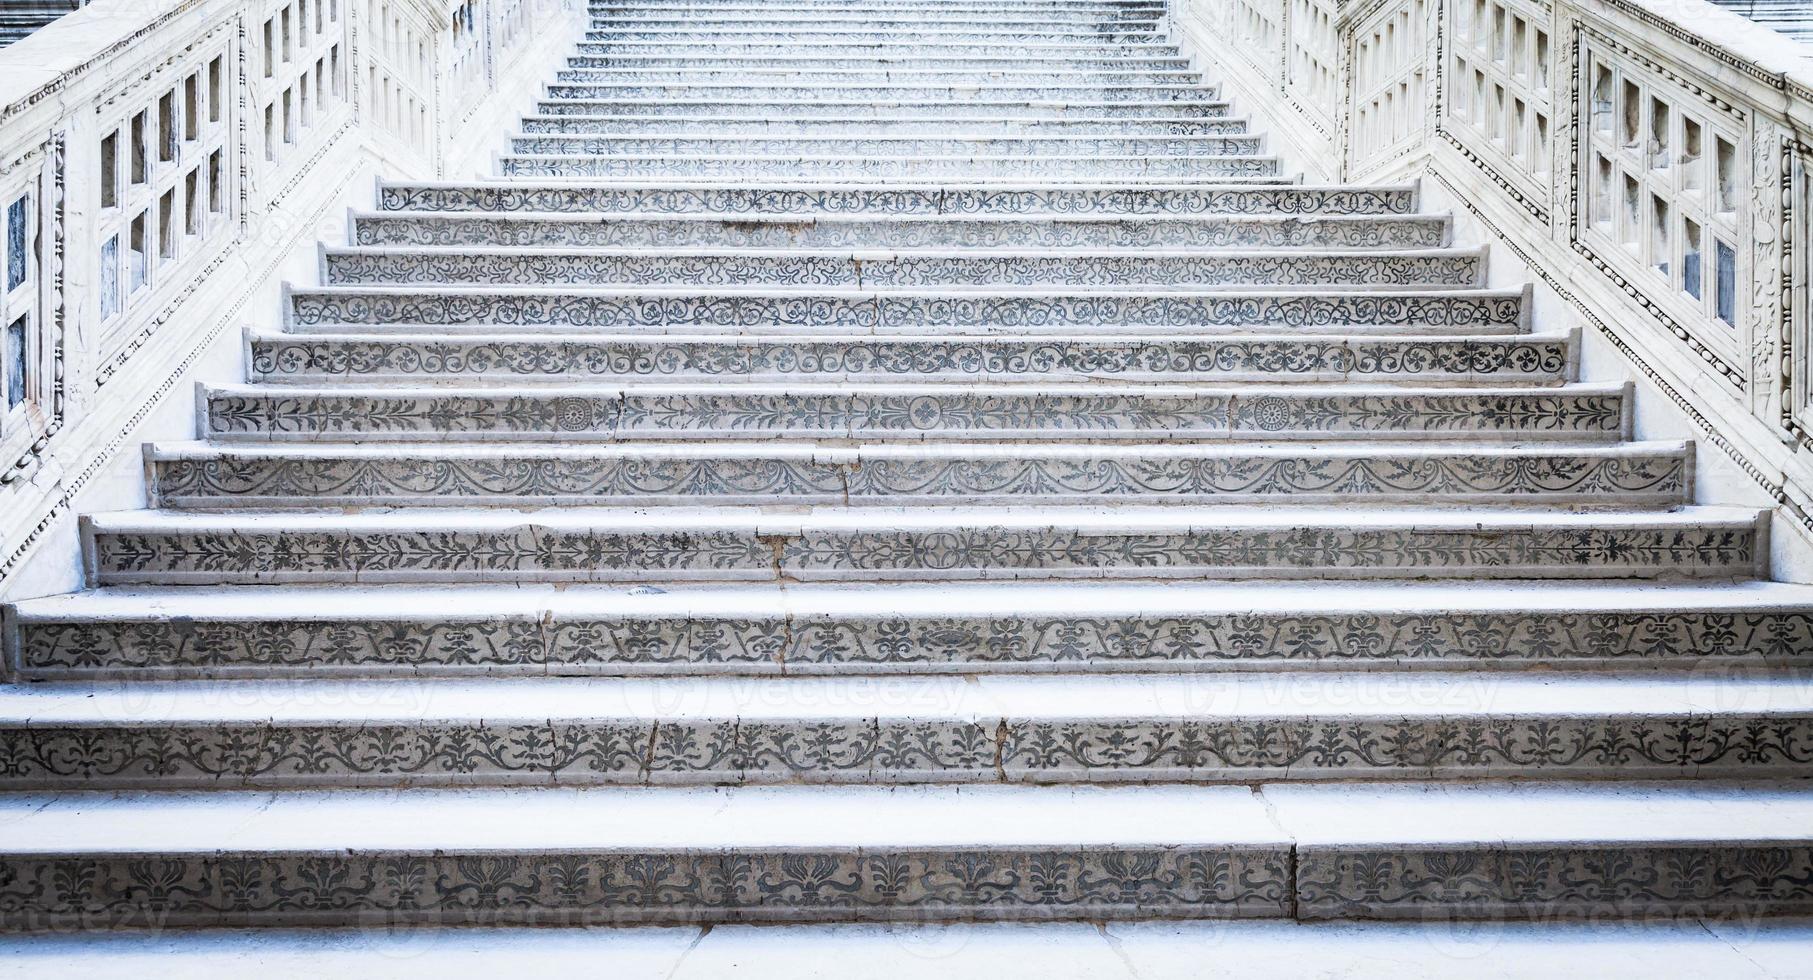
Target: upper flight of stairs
x=906 y=459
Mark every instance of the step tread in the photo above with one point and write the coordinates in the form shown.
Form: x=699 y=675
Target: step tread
x=844 y=817
x=1130 y=519
x=986 y=700
x=806 y=449
x=805 y=601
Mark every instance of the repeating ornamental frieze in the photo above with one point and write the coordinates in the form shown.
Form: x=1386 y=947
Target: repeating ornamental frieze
x=1098 y=309
x=746 y=750
x=956 y=200
x=1533 y=549
x=1050 y=146
x=907 y=231
x=1507 y=359
x=1554 y=882
x=1595 y=414
x=565 y=887
x=226 y=480
x=579 y=644
x=1003 y=168
x=1458 y=269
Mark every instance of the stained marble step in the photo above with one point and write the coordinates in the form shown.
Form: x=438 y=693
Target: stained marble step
x=839 y=544
x=847 y=110
x=686 y=144
x=1157 y=728
x=511 y=359
x=988 y=127
x=836 y=168
x=967 y=410
x=1374 y=268
x=1720 y=629
x=883 y=93
x=743 y=74
x=208 y=476
x=446 y=857
x=1022 y=311
x=975 y=63
x=599 y=230
x=768 y=200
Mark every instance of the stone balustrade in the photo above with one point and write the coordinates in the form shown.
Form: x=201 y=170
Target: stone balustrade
x=1648 y=163
x=165 y=164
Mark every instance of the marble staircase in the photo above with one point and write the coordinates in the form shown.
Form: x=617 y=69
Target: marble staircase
x=906 y=460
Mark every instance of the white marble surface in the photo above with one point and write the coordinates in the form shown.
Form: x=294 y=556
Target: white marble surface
x=1145 y=951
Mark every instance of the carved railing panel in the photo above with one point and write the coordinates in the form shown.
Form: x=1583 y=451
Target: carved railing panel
x=148 y=192
x=1655 y=180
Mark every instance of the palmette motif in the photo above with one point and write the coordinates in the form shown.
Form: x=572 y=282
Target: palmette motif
x=1514 y=358
x=200 y=482
x=1456 y=311
x=537 y=553
x=930 y=200
x=821 y=231
x=1355 y=270
x=794 y=269
x=646 y=887
x=892 y=750
x=577 y=644
x=656 y=413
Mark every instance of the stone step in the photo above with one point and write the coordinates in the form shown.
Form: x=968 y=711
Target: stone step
x=973 y=63
x=966 y=410
x=1040 y=7
x=1725 y=946
x=208 y=476
x=668 y=731
x=931 y=14
x=836 y=168
x=512 y=359
x=868 y=146
x=1012 y=311
x=1375 y=268
x=846 y=46
x=380 y=860
x=1127 y=40
x=745 y=230
x=1058 y=75
x=881 y=93
x=857 y=111
x=1716 y=630
x=973 y=128
x=936 y=23
x=764 y=201
x=582 y=544
x=874 y=6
